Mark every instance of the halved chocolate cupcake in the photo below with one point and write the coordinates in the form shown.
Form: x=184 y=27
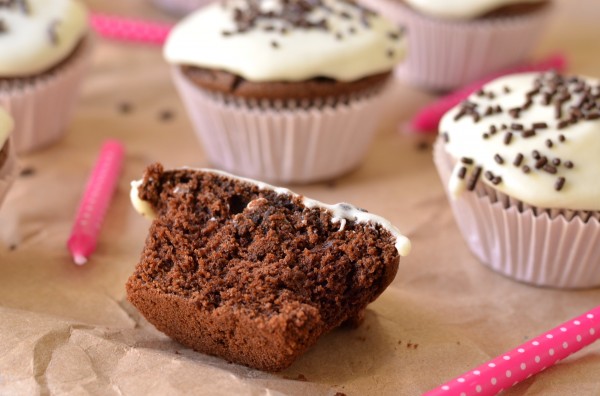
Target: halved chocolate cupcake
x=254 y=273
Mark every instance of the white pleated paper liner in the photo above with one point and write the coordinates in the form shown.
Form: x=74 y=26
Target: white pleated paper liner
x=552 y=248
x=282 y=145
x=42 y=106
x=445 y=55
x=8 y=170
x=179 y=7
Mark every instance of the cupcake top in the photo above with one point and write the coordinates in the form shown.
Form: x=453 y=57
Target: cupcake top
x=287 y=40
x=534 y=137
x=35 y=35
x=462 y=9
x=6 y=126
x=341 y=213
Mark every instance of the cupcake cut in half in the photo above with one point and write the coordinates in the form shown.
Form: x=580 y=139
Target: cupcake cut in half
x=44 y=48
x=288 y=91
x=455 y=42
x=8 y=162
x=519 y=160
x=253 y=273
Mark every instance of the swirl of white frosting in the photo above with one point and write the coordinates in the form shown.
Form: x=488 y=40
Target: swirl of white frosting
x=355 y=44
x=6 y=126
x=38 y=34
x=340 y=213
x=461 y=9
x=558 y=150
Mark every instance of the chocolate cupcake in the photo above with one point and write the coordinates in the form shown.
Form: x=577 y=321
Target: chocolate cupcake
x=455 y=42
x=253 y=273
x=519 y=160
x=288 y=91
x=8 y=163
x=44 y=48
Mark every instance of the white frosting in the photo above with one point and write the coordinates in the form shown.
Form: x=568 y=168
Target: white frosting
x=33 y=42
x=462 y=9
x=6 y=126
x=341 y=213
x=581 y=189
x=301 y=54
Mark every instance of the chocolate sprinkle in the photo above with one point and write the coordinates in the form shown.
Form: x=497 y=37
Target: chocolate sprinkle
x=474 y=178
x=52 y=33
x=466 y=161
x=526 y=169
x=508 y=138
x=462 y=172
x=498 y=159
x=541 y=162
x=518 y=160
x=516 y=127
x=569 y=164
x=560 y=183
x=528 y=133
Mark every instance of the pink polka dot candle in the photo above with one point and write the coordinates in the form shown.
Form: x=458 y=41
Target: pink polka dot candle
x=526 y=360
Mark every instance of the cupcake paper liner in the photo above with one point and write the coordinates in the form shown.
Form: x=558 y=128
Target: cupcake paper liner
x=179 y=7
x=43 y=106
x=281 y=144
x=445 y=55
x=554 y=248
x=8 y=171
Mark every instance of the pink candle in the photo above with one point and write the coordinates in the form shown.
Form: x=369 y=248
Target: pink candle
x=526 y=360
x=126 y=29
x=92 y=208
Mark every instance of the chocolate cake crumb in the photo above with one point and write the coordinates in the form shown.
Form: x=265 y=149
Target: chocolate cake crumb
x=248 y=274
x=124 y=107
x=422 y=145
x=166 y=115
x=27 y=171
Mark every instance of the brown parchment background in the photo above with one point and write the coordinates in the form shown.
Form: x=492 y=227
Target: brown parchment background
x=68 y=330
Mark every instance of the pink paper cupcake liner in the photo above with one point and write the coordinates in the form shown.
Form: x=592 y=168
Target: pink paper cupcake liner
x=445 y=55
x=554 y=248
x=8 y=171
x=283 y=145
x=179 y=7
x=43 y=106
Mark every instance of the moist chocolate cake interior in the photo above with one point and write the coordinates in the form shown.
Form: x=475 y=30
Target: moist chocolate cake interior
x=225 y=251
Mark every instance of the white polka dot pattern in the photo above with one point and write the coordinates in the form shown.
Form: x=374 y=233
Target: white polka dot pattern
x=526 y=360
